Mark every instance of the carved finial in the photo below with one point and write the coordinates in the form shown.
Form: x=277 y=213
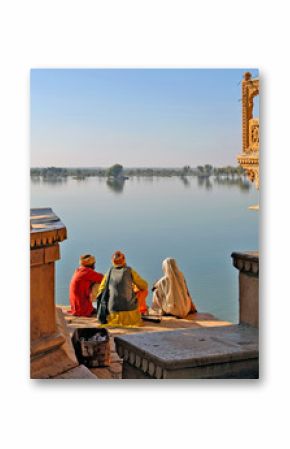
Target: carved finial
x=247 y=76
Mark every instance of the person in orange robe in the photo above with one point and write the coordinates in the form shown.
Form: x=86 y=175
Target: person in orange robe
x=80 y=291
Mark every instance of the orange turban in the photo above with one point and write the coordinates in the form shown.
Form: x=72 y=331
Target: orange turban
x=87 y=260
x=118 y=259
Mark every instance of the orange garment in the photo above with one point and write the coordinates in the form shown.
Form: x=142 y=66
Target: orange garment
x=141 y=298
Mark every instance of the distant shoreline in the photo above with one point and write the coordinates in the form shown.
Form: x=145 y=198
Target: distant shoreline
x=200 y=171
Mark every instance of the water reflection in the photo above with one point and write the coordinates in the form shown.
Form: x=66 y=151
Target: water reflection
x=54 y=180
x=80 y=178
x=204 y=181
x=116 y=185
x=185 y=181
x=148 y=179
x=35 y=179
x=242 y=183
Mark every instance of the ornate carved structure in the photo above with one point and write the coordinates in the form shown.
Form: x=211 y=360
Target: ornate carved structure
x=52 y=354
x=249 y=158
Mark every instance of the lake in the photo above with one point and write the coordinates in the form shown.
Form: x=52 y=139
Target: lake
x=197 y=221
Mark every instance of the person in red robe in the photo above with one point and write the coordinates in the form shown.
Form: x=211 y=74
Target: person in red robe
x=82 y=283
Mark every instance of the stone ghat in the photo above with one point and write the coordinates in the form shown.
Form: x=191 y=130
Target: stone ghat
x=221 y=352
x=168 y=323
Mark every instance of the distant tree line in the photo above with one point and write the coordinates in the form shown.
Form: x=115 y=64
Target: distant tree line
x=208 y=170
x=63 y=172
x=117 y=171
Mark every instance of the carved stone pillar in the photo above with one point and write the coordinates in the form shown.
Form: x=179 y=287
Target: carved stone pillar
x=51 y=350
x=246 y=113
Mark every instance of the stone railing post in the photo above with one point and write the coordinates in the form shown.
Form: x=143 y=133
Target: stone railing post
x=248 y=265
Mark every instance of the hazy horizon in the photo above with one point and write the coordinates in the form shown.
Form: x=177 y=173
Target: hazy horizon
x=140 y=118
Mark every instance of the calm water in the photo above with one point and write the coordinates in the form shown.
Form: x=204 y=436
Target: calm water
x=198 y=222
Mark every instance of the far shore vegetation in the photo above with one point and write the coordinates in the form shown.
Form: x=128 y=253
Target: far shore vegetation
x=117 y=171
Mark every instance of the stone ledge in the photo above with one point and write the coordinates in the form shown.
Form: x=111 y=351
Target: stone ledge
x=247 y=262
x=45 y=228
x=230 y=351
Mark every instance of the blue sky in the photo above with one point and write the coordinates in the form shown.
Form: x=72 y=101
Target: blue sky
x=136 y=117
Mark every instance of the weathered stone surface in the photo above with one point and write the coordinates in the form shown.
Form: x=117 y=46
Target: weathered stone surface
x=116 y=370
x=232 y=349
x=246 y=369
x=102 y=373
x=51 y=253
x=51 y=351
x=60 y=358
x=249 y=299
x=115 y=357
x=80 y=372
x=42 y=307
x=248 y=266
x=45 y=228
x=247 y=262
x=168 y=323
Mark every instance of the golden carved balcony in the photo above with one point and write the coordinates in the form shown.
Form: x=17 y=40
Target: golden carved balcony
x=249 y=158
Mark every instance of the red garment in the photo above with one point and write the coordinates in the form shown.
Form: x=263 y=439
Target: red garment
x=80 y=290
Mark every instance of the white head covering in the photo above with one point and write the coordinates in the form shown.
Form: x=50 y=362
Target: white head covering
x=172 y=295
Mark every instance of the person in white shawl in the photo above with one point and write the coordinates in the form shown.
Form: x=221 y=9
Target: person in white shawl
x=170 y=293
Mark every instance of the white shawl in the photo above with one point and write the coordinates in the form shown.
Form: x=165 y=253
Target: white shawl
x=171 y=295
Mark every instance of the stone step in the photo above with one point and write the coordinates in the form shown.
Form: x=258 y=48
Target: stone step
x=80 y=372
x=216 y=352
x=114 y=371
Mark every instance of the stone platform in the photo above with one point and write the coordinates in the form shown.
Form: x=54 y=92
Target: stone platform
x=167 y=324
x=209 y=353
x=80 y=372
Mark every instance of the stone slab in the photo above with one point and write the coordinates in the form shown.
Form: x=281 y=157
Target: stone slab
x=114 y=371
x=80 y=372
x=102 y=373
x=168 y=323
x=160 y=354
